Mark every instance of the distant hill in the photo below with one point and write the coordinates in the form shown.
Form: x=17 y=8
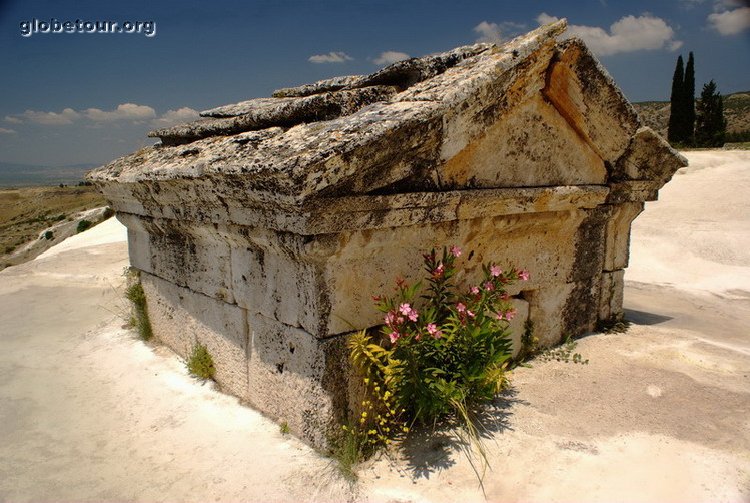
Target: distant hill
x=24 y=175
x=655 y=114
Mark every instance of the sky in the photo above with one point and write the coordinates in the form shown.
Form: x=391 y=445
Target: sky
x=71 y=97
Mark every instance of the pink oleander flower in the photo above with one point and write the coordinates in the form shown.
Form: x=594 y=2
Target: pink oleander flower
x=523 y=274
x=439 y=270
x=475 y=290
x=390 y=318
x=460 y=307
x=433 y=330
x=504 y=296
x=455 y=251
x=510 y=314
x=413 y=315
x=499 y=316
x=400 y=320
x=394 y=336
x=495 y=271
x=470 y=313
x=489 y=286
x=404 y=309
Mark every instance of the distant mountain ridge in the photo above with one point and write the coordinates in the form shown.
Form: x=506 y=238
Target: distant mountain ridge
x=655 y=114
x=21 y=175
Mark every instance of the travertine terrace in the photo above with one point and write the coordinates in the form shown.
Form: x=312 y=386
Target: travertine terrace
x=263 y=229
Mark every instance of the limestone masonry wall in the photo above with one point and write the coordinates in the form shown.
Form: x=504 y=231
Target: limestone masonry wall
x=263 y=229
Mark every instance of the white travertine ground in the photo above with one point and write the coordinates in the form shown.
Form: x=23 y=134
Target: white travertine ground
x=662 y=413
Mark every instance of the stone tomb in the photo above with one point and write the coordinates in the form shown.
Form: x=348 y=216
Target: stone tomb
x=263 y=230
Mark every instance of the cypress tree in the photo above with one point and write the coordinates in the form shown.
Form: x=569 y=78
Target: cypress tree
x=710 y=126
x=676 y=114
x=689 y=103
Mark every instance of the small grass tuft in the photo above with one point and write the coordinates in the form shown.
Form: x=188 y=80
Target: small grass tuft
x=349 y=450
x=284 y=428
x=140 y=321
x=200 y=363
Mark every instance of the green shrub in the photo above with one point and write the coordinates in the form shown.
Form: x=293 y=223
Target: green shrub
x=200 y=363
x=613 y=326
x=49 y=235
x=140 y=321
x=83 y=225
x=438 y=356
x=108 y=212
x=565 y=353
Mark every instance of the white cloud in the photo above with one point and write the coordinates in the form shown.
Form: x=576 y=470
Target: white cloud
x=388 y=57
x=488 y=32
x=172 y=117
x=67 y=116
x=730 y=22
x=6 y=131
x=545 y=18
x=627 y=34
x=493 y=32
x=125 y=111
x=331 y=57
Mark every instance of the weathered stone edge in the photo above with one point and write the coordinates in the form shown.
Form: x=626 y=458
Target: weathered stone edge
x=326 y=216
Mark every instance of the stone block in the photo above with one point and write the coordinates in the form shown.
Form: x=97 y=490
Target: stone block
x=264 y=230
x=617 y=235
x=583 y=92
x=533 y=145
x=588 y=244
x=611 y=296
x=648 y=157
x=181 y=318
x=297 y=379
x=366 y=263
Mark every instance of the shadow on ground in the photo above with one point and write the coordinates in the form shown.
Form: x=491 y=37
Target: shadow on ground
x=644 y=318
x=428 y=450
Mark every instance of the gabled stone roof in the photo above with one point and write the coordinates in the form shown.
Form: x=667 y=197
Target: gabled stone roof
x=399 y=129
